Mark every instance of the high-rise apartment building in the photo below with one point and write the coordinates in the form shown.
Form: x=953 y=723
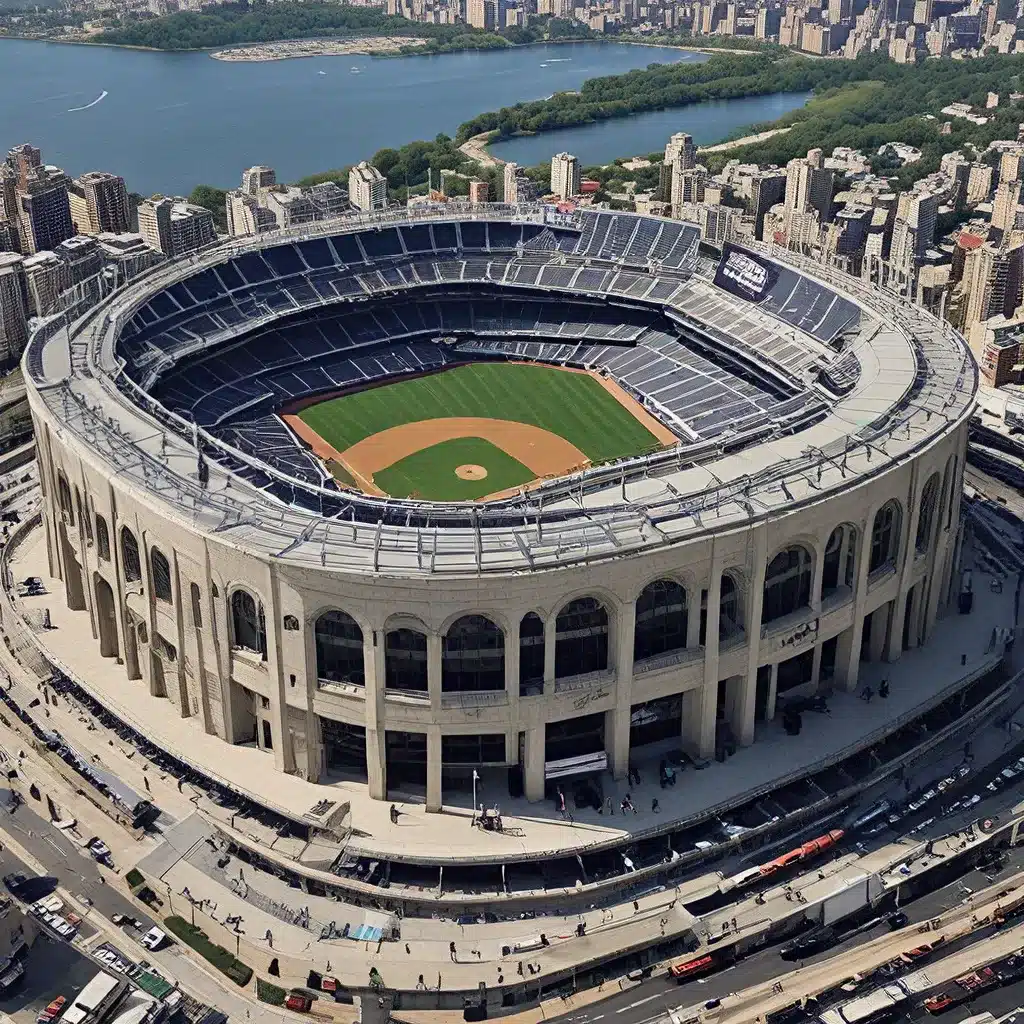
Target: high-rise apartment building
x=688 y=187
x=245 y=216
x=13 y=319
x=517 y=186
x=681 y=149
x=367 y=187
x=44 y=211
x=994 y=279
x=979 y=184
x=565 y=175
x=1011 y=164
x=482 y=14
x=8 y=193
x=255 y=178
x=766 y=189
x=1005 y=203
x=175 y=226
x=10 y=240
x=23 y=158
x=99 y=202
x=809 y=185
x=912 y=231
x=46 y=280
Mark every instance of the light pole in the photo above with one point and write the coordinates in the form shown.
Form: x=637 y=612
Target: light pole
x=475 y=778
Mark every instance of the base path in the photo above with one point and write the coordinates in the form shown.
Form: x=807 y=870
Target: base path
x=541 y=451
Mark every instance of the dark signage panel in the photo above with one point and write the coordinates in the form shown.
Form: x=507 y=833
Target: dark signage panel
x=744 y=274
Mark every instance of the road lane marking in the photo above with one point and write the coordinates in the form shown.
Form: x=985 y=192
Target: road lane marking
x=640 y=1002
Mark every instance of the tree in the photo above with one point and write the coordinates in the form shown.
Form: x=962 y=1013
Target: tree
x=214 y=200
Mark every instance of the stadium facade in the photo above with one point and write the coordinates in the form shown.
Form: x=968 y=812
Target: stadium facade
x=808 y=518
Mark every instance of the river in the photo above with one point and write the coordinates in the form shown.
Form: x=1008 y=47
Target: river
x=168 y=121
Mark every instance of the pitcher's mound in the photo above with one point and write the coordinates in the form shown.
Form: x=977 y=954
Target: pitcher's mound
x=470 y=472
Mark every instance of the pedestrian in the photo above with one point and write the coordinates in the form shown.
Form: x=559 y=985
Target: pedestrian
x=451 y=952
x=560 y=800
x=655 y=806
x=145 y=779
x=883 y=689
x=394 y=815
x=636 y=907
x=408 y=950
x=866 y=694
x=420 y=983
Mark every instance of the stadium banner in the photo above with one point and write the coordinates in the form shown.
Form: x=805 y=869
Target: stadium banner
x=744 y=274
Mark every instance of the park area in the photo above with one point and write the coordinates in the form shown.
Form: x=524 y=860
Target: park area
x=474 y=431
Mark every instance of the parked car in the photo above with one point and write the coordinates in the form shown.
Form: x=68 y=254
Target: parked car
x=808 y=945
x=52 y=1010
x=99 y=850
x=298 y=1002
x=154 y=939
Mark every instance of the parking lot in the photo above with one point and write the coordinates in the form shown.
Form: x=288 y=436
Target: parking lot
x=52 y=968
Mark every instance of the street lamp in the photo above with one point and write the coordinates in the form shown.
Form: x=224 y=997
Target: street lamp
x=476 y=777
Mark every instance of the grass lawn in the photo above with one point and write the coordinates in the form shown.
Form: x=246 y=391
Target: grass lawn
x=430 y=473
x=572 y=405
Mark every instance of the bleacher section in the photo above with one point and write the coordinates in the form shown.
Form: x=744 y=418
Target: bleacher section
x=611 y=292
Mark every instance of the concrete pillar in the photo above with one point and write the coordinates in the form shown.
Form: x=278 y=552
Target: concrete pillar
x=709 y=688
x=549 y=653
x=434 y=769
x=616 y=723
x=693 y=618
x=816 y=665
x=434 y=671
x=880 y=622
x=817 y=575
x=533 y=763
x=848 y=651
x=735 y=690
x=743 y=725
x=373 y=669
x=773 y=689
x=698 y=726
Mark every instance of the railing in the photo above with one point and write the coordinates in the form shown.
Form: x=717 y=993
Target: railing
x=474 y=699
x=341 y=689
x=584 y=680
x=667 y=660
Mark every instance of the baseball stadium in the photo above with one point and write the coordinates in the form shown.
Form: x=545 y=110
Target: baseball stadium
x=401 y=503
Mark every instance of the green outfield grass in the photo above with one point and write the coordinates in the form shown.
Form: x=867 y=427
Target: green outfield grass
x=430 y=473
x=572 y=405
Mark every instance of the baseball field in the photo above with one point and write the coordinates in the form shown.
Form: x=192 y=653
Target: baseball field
x=475 y=430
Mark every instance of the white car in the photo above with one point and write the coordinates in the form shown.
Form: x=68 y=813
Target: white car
x=52 y=904
x=154 y=939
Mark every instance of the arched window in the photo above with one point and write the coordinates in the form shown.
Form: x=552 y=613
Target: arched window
x=248 y=627
x=581 y=638
x=787 y=583
x=838 y=563
x=661 y=619
x=926 y=514
x=885 y=536
x=339 y=648
x=130 y=556
x=729 y=613
x=197 y=606
x=405 y=660
x=161 y=575
x=473 y=655
x=531 y=654
x=102 y=539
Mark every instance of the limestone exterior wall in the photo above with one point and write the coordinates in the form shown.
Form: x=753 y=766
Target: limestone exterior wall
x=182 y=649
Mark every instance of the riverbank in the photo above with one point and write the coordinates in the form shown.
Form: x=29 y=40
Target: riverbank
x=747 y=140
x=372 y=46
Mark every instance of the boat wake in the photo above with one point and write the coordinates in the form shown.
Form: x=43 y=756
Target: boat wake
x=99 y=99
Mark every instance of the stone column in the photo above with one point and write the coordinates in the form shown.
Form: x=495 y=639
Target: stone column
x=616 y=724
x=376 y=713
x=816 y=666
x=434 y=768
x=693 y=618
x=434 y=672
x=698 y=726
x=549 y=653
x=533 y=763
x=881 y=630
x=743 y=724
x=773 y=689
x=848 y=651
